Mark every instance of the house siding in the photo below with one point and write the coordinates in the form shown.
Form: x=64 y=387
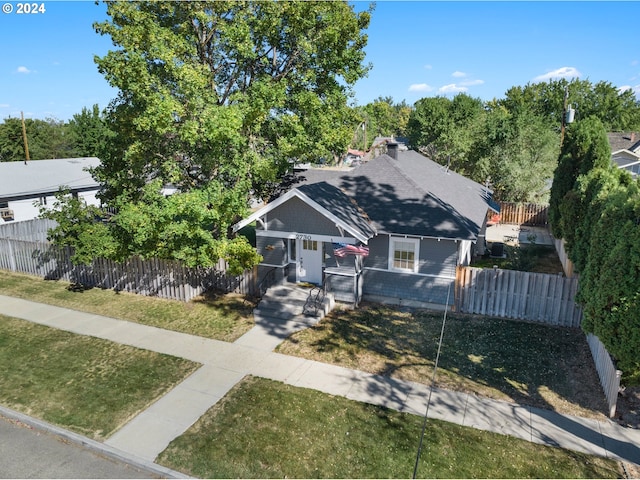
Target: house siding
x=297 y=216
x=436 y=257
x=405 y=288
x=29 y=208
x=436 y=271
x=276 y=254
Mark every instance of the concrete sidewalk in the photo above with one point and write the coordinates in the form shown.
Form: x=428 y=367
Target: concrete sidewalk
x=225 y=364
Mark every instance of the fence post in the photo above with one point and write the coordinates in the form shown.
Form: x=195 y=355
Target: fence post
x=12 y=259
x=613 y=403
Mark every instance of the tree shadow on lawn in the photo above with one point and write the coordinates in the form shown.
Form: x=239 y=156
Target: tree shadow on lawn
x=526 y=363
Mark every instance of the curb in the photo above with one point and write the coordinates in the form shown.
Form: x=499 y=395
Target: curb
x=97 y=447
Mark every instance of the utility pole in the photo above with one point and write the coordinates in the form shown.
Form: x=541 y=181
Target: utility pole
x=24 y=138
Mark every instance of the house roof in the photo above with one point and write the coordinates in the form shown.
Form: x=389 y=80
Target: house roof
x=409 y=196
x=416 y=196
x=45 y=177
x=624 y=141
x=340 y=209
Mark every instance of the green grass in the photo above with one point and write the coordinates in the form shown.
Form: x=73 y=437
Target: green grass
x=222 y=317
x=85 y=384
x=532 y=364
x=264 y=429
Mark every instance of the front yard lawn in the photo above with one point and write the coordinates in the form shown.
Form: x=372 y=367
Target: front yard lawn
x=265 y=429
x=527 y=363
x=221 y=317
x=85 y=384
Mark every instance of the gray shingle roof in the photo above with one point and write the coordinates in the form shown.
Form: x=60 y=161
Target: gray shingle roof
x=624 y=141
x=45 y=177
x=411 y=196
x=341 y=205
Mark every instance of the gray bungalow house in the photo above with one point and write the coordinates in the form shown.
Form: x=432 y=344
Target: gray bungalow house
x=392 y=230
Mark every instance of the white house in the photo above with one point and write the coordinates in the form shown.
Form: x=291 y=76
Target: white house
x=26 y=186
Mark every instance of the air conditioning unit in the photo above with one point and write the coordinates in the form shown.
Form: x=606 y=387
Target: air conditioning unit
x=6 y=214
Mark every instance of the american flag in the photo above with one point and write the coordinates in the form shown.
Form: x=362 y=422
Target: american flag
x=342 y=250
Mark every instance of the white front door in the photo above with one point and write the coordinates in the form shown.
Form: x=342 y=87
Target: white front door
x=309 y=261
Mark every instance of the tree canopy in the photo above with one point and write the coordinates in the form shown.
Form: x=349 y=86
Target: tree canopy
x=217 y=99
x=585 y=147
x=617 y=110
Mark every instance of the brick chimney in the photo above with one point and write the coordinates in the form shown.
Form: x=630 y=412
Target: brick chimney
x=392 y=150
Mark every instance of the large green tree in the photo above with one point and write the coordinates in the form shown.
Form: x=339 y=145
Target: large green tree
x=46 y=139
x=382 y=118
x=609 y=283
x=617 y=110
x=446 y=129
x=517 y=152
x=89 y=132
x=585 y=147
x=217 y=99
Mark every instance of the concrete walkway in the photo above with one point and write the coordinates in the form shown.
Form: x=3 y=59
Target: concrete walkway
x=225 y=364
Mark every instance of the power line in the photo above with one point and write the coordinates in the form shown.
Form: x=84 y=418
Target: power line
x=433 y=381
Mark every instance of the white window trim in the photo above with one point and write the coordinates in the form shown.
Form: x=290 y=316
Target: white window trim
x=392 y=249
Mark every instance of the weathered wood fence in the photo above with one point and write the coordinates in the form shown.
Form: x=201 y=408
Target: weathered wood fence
x=524 y=213
x=34 y=230
x=537 y=297
x=609 y=375
x=151 y=277
x=567 y=265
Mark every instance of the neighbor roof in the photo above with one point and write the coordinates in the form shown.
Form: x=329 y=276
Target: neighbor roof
x=624 y=141
x=45 y=177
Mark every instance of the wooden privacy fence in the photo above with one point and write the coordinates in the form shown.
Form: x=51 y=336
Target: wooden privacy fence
x=34 y=230
x=524 y=213
x=151 y=277
x=567 y=264
x=609 y=375
x=537 y=297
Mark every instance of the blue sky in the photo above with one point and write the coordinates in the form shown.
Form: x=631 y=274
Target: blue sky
x=417 y=48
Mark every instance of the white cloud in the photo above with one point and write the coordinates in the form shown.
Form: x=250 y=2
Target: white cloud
x=458 y=74
x=471 y=83
x=420 y=87
x=452 y=88
x=563 y=72
x=634 y=63
x=4 y=105
x=428 y=66
x=635 y=89
x=23 y=69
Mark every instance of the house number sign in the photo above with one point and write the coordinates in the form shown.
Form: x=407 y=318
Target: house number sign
x=302 y=236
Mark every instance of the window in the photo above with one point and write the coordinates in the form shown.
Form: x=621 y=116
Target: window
x=404 y=254
x=310 y=245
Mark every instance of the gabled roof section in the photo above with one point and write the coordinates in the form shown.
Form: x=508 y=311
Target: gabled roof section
x=45 y=177
x=624 y=158
x=328 y=201
x=624 y=141
x=416 y=196
x=412 y=195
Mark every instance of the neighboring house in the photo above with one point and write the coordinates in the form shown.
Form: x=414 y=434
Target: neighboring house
x=392 y=230
x=625 y=151
x=26 y=186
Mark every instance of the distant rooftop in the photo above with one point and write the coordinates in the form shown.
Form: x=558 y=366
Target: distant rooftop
x=624 y=141
x=45 y=177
